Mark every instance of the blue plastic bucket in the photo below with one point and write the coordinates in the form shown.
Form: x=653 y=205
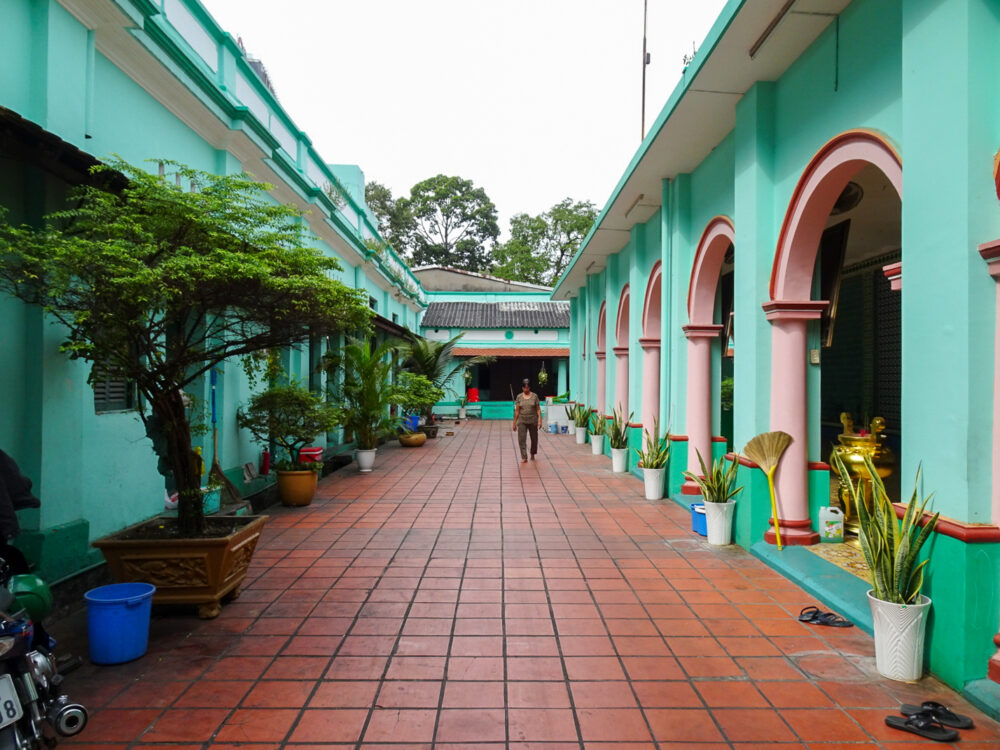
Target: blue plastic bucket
x=118 y=621
x=698 y=524
x=411 y=422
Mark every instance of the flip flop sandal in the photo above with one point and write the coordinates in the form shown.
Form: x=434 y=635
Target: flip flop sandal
x=832 y=620
x=809 y=614
x=924 y=725
x=942 y=714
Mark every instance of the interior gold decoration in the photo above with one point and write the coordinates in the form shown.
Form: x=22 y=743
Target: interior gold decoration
x=852 y=449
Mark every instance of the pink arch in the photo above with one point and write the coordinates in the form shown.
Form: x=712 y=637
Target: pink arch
x=601 y=355
x=715 y=240
x=824 y=179
x=621 y=322
x=602 y=327
x=651 y=305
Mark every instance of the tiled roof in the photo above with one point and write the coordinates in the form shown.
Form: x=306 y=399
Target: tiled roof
x=497 y=315
x=524 y=351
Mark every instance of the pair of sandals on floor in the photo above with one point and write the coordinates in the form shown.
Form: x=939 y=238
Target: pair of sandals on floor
x=930 y=720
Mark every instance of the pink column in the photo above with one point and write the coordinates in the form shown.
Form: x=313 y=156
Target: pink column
x=650 y=383
x=789 y=413
x=621 y=380
x=991 y=254
x=699 y=399
x=602 y=382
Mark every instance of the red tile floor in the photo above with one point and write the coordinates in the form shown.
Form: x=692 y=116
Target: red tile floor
x=455 y=598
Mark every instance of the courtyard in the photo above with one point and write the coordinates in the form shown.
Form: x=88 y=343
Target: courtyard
x=455 y=598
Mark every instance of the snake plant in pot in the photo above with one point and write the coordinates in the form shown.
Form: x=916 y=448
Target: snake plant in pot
x=891 y=547
x=717 y=490
x=597 y=428
x=653 y=462
x=581 y=418
x=617 y=432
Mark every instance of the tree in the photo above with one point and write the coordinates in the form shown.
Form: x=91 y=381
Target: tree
x=450 y=222
x=540 y=247
x=394 y=221
x=161 y=285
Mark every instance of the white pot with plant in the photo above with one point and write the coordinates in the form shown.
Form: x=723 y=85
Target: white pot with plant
x=461 y=406
x=598 y=425
x=617 y=432
x=581 y=418
x=891 y=547
x=718 y=493
x=653 y=462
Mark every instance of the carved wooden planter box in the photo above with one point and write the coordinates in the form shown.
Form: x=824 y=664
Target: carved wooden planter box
x=186 y=571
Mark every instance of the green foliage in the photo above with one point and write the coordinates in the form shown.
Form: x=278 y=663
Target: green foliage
x=415 y=394
x=890 y=546
x=726 y=394
x=657 y=450
x=393 y=218
x=580 y=414
x=540 y=247
x=716 y=485
x=450 y=222
x=598 y=424
x=366 y=392
x=162 y=283
x=290 y=415
x=436 y=362
x=617 y=430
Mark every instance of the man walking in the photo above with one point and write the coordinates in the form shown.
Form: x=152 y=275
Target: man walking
x=527 y=420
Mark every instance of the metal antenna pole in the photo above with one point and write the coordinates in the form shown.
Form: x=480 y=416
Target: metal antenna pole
x=645 y=62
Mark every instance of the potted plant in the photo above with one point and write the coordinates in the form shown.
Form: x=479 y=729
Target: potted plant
x=161 y=284
x=718 y=492
x=598 y=425
x=414 y=394
x=891 y=547
x=581 y=418
x=543 y=377
x=463 y=400
x=291 y=416
x=617 y=432
x=365 y=395
x=653 y=462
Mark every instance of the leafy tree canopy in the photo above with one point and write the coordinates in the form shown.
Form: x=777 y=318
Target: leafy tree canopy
x=451 y=222
x=162 y=284
x=540 y=247
x=394 y=221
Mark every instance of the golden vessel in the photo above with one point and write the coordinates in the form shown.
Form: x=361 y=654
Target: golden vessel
x=852 y=449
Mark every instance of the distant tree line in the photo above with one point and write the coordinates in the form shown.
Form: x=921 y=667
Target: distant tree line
x=448 y=221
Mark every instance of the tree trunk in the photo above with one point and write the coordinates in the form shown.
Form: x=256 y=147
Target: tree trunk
x=169 y=406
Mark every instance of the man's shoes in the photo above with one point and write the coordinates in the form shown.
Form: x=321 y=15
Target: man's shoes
x=532 y=456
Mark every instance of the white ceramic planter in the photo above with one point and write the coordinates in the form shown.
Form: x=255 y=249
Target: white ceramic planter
x=572 y=427
x=581 y=435
x=618 y=456
x=461 y=412
x=597 y=444
x=719 y=522
x=653 y=479
x=899 y=638
x=366 y=460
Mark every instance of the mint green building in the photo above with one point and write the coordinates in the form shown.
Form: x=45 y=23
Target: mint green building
x=814 y=213
x=84 y=79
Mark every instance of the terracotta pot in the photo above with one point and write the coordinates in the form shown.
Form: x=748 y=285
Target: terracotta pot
x=297 y=488
x=186 y=571
x=412 y=439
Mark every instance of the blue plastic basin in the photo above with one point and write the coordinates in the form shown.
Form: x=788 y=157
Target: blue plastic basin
x=698 y=524
x=118 y=621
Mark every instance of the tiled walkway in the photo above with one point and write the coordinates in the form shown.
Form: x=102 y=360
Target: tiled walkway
x=456 y=599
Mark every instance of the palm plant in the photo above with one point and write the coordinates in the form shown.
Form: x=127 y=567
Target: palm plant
x=716 y=485
x=657 y=450
x=366 y=392
x=890 y=546
x=436 y=361
x=617 y=430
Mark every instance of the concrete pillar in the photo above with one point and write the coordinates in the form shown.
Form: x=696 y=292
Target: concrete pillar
x=621 y=380
x=991 y=254
x=561 y=382
x=699 y=399
x=789 y=413
x=602 y=382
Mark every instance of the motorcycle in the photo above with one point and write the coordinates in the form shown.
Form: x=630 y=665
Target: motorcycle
x=30 y=682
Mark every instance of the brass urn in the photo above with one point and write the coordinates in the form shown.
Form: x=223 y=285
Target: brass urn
x=852 y=449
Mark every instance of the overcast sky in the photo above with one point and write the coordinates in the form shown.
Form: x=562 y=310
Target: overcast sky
x=533 y=100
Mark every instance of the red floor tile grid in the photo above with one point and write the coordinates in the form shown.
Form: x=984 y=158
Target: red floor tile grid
x=455 y=599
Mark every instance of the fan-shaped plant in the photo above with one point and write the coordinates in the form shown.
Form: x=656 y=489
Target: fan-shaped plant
x=598 y=424
x=657 y=450
x=716 y=485
x=617 y=430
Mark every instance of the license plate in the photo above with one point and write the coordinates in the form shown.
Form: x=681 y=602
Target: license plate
x=10 y=704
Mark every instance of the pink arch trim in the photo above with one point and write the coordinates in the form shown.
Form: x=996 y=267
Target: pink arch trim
x=821 y=183
x=602 y=333
x=621 y=323
x=708 y=258
x=651 y=305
